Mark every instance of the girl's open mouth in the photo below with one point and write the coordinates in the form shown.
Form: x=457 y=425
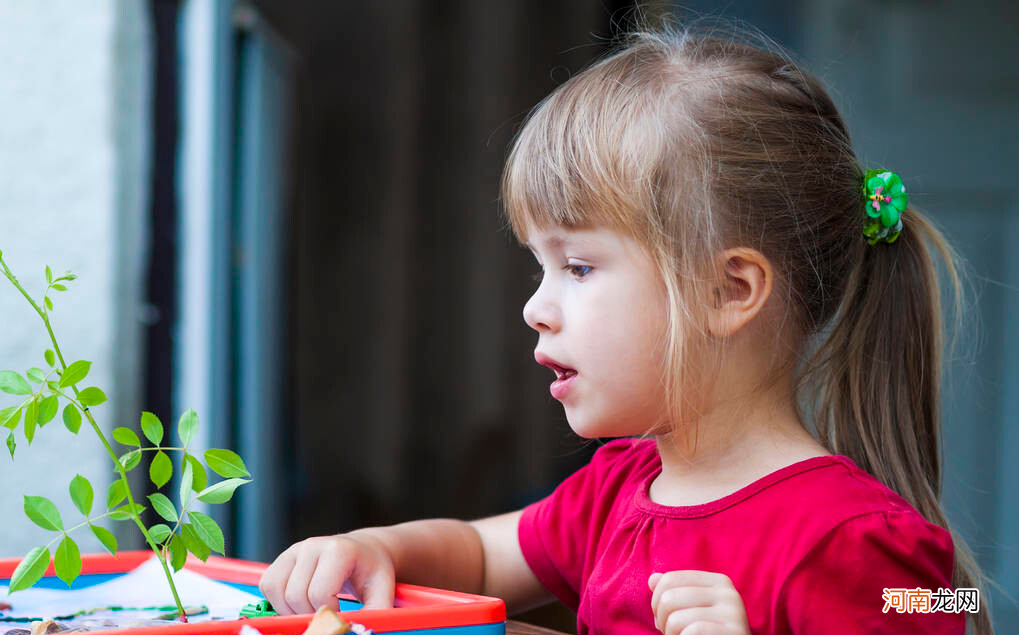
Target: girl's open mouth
x=564 y=379
x=564 y=375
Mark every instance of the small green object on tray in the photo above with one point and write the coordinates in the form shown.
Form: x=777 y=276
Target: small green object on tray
x=258 y=609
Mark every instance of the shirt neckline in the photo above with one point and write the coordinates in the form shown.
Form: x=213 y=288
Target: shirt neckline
x=642 y=497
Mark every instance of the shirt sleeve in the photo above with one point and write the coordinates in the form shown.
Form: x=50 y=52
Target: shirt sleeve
x=557 y=533
x=840 y=585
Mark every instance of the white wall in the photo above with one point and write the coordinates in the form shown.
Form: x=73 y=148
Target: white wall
x=74 y=135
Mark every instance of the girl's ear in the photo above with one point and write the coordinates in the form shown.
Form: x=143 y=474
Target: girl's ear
x=746 y=280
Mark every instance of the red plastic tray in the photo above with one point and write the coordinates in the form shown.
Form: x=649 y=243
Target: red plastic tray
x=416 y=607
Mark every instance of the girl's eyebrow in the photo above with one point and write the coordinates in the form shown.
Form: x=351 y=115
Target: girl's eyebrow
x=553 y=241
x=557 y=241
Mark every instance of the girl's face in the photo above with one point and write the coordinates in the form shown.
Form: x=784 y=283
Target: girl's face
x=601 y=315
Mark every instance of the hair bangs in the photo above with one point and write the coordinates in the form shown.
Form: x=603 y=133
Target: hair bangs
x=587 y=155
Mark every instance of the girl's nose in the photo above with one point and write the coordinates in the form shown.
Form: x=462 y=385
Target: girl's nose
x=541 y=314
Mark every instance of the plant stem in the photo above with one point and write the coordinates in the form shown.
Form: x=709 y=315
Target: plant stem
x=99 y=433
x=66 y=532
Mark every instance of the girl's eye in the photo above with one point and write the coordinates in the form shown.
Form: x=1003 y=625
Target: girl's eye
x=578 y=270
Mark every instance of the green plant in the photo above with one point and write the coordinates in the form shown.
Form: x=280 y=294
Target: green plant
x=171 y=541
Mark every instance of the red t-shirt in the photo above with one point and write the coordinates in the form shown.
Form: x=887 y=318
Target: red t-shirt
x=809 y=547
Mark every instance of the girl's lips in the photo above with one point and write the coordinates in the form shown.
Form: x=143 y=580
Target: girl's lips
x=564 y=375
x=559 y=369
x=561 y=386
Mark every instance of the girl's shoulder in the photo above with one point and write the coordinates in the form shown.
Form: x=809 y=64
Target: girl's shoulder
x=829 y=505
x=629 y=449
x=626 y=458
x=820 y=493
x=850 y=490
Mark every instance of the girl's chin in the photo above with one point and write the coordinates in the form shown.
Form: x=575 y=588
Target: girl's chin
x=588 y=429
x=582 y=429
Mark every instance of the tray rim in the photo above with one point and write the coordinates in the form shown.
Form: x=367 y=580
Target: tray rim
x=417 y=607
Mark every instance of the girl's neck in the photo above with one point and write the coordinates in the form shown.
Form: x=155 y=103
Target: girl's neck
x=735 y=447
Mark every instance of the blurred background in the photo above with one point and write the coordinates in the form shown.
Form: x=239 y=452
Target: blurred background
x=284 y=214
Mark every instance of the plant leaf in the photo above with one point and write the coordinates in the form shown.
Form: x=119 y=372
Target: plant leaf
x=226 y=463
x=124 y=512
x=152 y=428
x=106 y=537
x=198 y=477
x=49 y=303
x=161 y=469
x=35 y=375
x=48 y=408
x=126 y=436
x=130 y=460
x=163 y=506
x=81 y=494
x=31 y=419
x=178 y=553
x=92 y=396
x=10 y=417
x=194 y=543
x=207 y=530
x=41 y=511
x=60 y=287
x=159 y=533
x=222 y=491
x=187 y=425
x=14 y=384
x=50 y=357
x=31 y=569
x=186 y=481
x=49 y=275
x=74 y=373
x=72 y=418
x=67 y=560
x=11 y=444
x=116 y=493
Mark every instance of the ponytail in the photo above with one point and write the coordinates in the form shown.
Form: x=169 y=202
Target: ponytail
x=877 y=377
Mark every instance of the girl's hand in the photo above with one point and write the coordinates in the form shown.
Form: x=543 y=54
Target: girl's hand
x=697 y=603
x=311 y=572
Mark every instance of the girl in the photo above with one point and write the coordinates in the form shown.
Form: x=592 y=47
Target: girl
x=712 y=253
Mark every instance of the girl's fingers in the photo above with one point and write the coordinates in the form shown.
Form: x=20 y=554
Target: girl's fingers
x=375 y=582
x=273 y=582
x=296 y=593
x=685 y=578
x=331 y=572
x=378 y=591
x=694 y=578
x=680 y=598
x=679 y=620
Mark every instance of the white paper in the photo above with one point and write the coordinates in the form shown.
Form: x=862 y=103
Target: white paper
x=144 y=586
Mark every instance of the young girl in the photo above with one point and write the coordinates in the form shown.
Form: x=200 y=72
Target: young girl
x=711 y=252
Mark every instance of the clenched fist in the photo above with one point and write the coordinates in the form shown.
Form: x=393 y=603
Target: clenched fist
x=697 y=603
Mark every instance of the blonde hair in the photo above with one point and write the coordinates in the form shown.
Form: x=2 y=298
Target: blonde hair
x=691 y=143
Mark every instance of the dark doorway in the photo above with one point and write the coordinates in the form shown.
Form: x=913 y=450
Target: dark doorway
x=414 y=389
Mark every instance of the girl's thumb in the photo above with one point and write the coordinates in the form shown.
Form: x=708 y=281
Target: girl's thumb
x=653 y=580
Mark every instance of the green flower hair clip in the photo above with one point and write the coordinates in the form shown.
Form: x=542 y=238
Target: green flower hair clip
x=886 y=199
